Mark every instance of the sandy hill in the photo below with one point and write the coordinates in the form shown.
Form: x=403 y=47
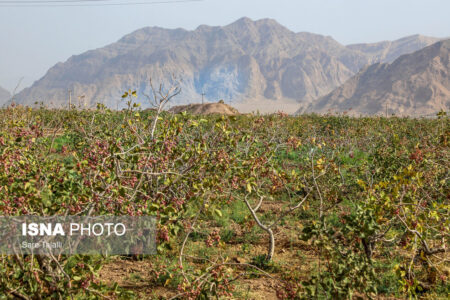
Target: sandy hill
x=205 y=109
x=243 y=61
x=414 y=84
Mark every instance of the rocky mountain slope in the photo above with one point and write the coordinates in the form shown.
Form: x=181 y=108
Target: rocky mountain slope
x=414 y=84
x=246 y=60
x=4 y=95
x=388 y=51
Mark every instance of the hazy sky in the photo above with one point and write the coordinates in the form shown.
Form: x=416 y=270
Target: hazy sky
x=35 y=38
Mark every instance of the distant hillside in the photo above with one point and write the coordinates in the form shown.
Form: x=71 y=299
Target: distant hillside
x=414 y=84
x=246 y=60
x=4 y=95
x=388 y=51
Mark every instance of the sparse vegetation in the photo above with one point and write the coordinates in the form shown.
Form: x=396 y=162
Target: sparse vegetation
x=356 y=206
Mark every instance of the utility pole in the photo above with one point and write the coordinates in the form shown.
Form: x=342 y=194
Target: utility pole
x=203 y=95
x=70 y=98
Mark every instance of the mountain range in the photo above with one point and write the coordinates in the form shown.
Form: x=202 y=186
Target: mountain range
x=246 y=61
x=417 y=83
